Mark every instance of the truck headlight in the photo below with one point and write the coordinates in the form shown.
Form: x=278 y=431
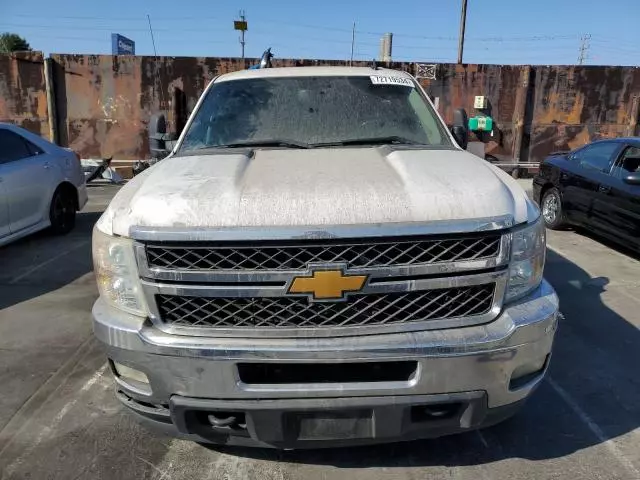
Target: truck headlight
x=527 y=259
x=116 y=271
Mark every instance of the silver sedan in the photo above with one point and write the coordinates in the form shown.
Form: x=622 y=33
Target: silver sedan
x=41 y=185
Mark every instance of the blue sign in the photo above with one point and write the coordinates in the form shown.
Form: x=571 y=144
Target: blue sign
x=122 y=45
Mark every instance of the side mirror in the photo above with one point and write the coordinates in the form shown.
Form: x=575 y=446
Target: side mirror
x=632 y=178
x=460 y=129
x=158 y=136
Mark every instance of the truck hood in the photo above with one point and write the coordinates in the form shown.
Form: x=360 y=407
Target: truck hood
x=315 y=188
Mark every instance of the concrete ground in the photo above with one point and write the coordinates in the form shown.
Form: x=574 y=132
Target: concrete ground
x=59 y=418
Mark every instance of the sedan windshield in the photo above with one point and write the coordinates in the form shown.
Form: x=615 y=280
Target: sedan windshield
x=308 y=112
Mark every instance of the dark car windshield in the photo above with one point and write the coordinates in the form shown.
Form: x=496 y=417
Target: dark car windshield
x=302 y=112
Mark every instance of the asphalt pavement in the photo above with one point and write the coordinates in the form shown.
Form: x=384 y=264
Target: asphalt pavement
x=59 y=418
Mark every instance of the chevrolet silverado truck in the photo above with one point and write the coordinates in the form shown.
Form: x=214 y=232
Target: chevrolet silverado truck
x=319 y=262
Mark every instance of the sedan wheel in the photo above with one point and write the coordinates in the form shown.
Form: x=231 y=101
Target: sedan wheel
x=552 y=211
x=62 y=213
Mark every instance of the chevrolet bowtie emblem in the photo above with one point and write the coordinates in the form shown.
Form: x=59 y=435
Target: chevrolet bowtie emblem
x=327 y=284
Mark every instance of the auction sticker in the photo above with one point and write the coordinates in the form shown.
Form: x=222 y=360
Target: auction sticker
x=390 y=80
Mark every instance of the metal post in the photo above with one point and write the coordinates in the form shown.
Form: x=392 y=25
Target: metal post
x=51 y=100
x=353 y=41
x=242 y=33
x=463 y=21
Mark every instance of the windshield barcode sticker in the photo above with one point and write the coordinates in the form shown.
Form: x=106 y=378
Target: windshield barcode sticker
x=388 y=80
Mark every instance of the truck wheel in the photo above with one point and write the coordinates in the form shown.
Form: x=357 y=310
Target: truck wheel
x=62 y=212
x=552 y=211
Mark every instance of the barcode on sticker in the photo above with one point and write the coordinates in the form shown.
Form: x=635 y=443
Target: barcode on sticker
x=389 y=80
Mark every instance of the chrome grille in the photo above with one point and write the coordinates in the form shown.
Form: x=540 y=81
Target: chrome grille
x=296 y=312
x=356 y=254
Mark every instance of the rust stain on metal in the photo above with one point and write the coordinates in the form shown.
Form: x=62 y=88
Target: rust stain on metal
x=23 y=98
x=576 y=105
x=105 y=102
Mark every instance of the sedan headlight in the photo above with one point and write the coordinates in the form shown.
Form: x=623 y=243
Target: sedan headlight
x=527 y=259
x=116 y=272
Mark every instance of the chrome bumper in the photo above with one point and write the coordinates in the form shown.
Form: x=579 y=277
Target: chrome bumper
x=478 y=358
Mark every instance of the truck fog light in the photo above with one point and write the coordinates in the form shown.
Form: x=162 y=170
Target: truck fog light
x=524 y=373
x=128 y=373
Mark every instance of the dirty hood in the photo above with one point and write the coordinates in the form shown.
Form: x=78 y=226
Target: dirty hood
x=315 y=188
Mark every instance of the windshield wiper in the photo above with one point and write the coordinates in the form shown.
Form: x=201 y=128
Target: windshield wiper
x=390 y=140
x=262 y=143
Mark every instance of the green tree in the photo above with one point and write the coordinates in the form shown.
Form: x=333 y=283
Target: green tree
x=11 y=42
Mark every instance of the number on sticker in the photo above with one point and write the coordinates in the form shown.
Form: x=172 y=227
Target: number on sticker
x=389 y=80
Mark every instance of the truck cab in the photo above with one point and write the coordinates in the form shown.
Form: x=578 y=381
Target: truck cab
x=318 y=262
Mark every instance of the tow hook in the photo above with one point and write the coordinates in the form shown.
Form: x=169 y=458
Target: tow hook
x=222 y=420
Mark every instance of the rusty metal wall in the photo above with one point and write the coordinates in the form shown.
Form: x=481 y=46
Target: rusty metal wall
x=104 y=102
x=23 y=98
x=574 y=105
x=456 y=86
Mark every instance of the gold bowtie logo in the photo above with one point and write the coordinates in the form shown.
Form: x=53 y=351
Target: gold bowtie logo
x=327 y=284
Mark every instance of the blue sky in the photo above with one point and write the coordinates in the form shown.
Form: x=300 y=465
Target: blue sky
x=498 y=31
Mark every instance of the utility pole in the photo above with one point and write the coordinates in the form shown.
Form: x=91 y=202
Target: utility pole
x=463 y=21
x=353 y=41
x=242 y=26
x=584 y=48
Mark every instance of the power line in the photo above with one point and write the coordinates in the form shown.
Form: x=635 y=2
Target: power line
x=101 y=39
x=619 y=48
x=497 y=39
x=103 y=17
x=323 y=40
x=306 y=38
x=74 y=27
x=496 y=45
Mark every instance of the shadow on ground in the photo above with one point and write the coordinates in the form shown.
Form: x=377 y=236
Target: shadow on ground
x=593 y=373
x=43 y=262
x=619 y=247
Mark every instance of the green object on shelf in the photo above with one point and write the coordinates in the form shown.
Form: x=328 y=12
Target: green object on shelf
x=481 y=124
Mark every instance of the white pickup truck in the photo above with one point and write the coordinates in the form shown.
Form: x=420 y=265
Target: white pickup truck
x=318 y=262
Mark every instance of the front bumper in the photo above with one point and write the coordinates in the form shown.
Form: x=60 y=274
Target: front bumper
x=466 y=375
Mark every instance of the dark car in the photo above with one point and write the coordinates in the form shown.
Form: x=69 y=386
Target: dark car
x=596 y=186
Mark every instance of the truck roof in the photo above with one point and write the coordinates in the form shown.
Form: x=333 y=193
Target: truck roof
x=309 y=72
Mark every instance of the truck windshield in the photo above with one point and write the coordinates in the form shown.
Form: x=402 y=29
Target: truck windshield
x=307 y=112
